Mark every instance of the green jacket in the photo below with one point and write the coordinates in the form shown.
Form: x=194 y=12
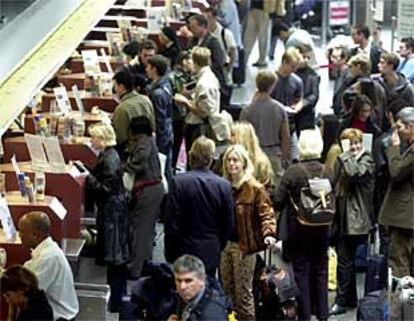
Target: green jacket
x=355 y=190
x=398 y=207
x=131 y=105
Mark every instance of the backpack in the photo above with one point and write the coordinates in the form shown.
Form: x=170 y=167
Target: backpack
x=316 y=206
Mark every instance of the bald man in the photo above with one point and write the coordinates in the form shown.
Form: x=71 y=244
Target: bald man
x=50 y=265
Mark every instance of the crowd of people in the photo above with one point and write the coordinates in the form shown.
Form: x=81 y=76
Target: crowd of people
x=245 y=181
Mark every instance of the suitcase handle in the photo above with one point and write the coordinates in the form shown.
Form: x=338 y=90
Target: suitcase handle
x=267 y=255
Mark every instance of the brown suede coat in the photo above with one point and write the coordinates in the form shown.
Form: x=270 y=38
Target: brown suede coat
x=255 y=217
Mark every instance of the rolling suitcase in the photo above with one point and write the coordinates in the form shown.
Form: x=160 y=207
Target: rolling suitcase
x=274 y=289
x=372 y=306
x=376 y=270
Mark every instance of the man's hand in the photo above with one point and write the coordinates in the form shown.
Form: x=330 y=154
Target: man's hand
x=395 y=138
x=173 y=317
x=390 y=118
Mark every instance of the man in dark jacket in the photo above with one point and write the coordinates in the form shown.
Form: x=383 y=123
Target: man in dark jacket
x=360 y=35
x=198 y=303
x=397 y=210
x=203 y=38
x=201 y=213
x=137 y=56
x=305 y=119
x=359 y=67
x=394 y=83
x=160 y=94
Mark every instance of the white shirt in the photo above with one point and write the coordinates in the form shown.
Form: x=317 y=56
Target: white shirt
x=55 y=278
x=228 y=38
x=206 y=95
x=366 y=50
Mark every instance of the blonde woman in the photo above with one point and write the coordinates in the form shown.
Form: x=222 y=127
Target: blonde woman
x=243 y=133
x=105 y=189
x=255 y=230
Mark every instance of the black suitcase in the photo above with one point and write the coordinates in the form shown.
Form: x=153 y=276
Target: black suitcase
x=376 y=272
x=274 y=290
x=239 y=73
x=376 y=275
x=372 y=306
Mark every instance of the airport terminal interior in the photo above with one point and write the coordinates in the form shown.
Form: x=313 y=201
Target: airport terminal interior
x=207 y=160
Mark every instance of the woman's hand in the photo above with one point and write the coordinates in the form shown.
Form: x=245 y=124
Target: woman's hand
x=270 y=241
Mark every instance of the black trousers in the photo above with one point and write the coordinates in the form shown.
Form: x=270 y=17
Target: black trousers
x=310 y=266
x=346 y=293
x=178 y=128
x=116 y=276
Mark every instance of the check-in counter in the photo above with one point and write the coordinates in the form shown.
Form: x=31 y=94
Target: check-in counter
x=71 y=150
x=93 y=45
x=124 y=10
x=76 y=64
x=90 y=119
x=54 y=209
x=99 y=33
x=112 y=21
x=106 y=103
x=68 y=187
x=75 y=78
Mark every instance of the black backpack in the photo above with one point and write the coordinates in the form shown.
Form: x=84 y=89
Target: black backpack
x=316 y=206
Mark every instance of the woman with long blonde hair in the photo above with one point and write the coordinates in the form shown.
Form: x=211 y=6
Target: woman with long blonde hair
x=243 y=133
x=255 y=230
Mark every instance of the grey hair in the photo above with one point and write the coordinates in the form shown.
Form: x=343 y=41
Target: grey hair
x=406 y=115
x=188 y=264
x=310 y=144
